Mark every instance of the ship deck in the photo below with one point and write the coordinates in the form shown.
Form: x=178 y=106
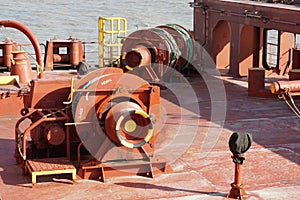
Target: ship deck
x=202 y=168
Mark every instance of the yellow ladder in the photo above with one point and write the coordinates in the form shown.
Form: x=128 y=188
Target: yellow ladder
x=111 y=33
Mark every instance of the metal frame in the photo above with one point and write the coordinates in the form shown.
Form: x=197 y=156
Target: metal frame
x=111 y=32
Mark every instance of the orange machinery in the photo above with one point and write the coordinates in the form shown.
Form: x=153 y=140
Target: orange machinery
x=154 y=53
x=6 y=47
x=66 y=53
x=107 y=126
x=105 y=122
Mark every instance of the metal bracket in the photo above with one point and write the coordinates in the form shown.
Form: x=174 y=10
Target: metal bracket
x=70 y=98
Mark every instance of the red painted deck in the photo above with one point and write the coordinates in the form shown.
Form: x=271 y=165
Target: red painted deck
x=201 y=170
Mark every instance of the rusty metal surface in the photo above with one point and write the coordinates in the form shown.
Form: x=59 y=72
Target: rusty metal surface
x=121 y=104
x=271 y=168
x=158 y=49
x=39 y=118
x=111 y=112
x=50 y=164
x=21 y=27
x=15 y=96
x=194 y=143
x=66 y=53
x=49 y=93
x=286 y=87
x=272 y=16
x=234 y=33
x=7 y=47
x=21 y=67
x=12 y=99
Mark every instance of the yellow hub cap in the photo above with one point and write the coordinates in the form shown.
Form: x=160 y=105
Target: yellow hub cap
x=130 y=126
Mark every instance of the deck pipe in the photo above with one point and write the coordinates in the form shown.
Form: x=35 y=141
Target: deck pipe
x=21 y=27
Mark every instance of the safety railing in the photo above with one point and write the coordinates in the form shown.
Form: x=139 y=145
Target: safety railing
x=112 y=31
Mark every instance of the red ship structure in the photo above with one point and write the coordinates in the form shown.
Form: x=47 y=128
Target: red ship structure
x=154 y=118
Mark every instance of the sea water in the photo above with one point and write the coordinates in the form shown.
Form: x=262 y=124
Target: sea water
x=62 y=19
x=79 y=19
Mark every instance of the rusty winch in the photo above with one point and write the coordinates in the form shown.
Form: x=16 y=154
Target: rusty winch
x=105 y=122
x=153 y=53
x=110 y=123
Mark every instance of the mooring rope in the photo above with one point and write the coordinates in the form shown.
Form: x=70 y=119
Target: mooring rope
x=286 y=93
x=188 y=41
x=172 y=46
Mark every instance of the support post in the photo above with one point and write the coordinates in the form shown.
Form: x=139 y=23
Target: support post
x=237 y=189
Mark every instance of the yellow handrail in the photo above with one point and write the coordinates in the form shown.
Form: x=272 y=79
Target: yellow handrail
x=111 y=33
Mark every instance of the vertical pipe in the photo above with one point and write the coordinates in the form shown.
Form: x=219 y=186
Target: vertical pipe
x=238 y=174
x=7 y=49
x=74 y=52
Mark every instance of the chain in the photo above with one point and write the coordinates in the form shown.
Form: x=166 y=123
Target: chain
x=20 y=136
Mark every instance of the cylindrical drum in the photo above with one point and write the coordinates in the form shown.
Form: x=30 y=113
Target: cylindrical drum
x=54 y=134
x=61 y=58
x=128 y=125
x=138 y=56
x=7 y=49
x=279 y=86
x=164 y=46
x=74 y=52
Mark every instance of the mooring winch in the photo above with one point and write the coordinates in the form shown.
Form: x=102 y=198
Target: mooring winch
x=106 y=121
x=152 y=52
x=108 y=126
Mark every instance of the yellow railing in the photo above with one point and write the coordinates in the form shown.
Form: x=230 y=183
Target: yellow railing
x=111 y=33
